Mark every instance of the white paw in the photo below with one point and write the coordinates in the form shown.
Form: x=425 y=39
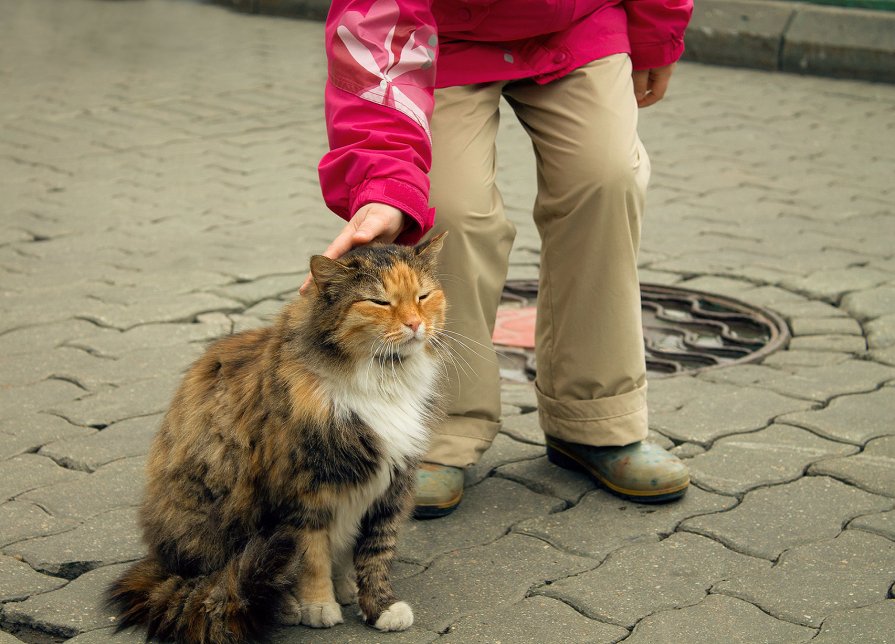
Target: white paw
x=397 y=617
x=321 y=615
x=346 y=590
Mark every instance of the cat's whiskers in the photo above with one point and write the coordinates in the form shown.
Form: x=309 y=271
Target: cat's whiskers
x=455 y=337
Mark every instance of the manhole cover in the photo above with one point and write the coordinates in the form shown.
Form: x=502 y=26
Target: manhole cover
x=685 y=331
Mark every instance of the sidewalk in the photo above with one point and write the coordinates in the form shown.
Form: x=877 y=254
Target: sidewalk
x=158 y=189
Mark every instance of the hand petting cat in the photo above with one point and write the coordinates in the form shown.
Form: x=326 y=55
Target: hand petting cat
x=377 y=222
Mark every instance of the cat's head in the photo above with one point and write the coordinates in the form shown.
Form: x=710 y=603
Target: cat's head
x=380 y=300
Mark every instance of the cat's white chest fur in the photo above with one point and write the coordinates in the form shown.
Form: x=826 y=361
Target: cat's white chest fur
x=392 y=401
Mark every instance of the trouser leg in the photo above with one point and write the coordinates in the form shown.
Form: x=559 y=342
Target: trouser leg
x=592 y=176
x=473 y=265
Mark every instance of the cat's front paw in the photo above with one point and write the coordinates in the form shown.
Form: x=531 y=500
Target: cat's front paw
x=321 y=615
x=397 y=617
x=346 y=590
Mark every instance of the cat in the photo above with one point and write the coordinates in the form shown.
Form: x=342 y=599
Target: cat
x=286 y=462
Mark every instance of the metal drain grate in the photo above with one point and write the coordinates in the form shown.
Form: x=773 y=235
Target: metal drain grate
x=685 y=331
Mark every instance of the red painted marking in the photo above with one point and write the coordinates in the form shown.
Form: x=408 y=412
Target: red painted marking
x=515 y=328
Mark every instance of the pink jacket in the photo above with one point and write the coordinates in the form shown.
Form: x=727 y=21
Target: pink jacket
x=387 y=56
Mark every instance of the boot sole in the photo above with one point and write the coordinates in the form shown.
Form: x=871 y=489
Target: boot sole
x=438 y=510
x=569 y=462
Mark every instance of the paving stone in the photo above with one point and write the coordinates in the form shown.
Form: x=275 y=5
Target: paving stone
x=27 y=433
x=601 y=523
x=643 y=579
x=872 y=470
x=805 y=358
x=831 y=283
x=18 y=581
x=6 y=638
x=810 y=582
x=718 y=619
x=492 y=507
x=157 y=309
x=808 y=309
x=503 y=450
x=460 y=582
x=853 y=419
x=108 y=635
x=545 y=478
x=771 y=520
x=824 y=326
x=265 y=310
x=20 y=520
x=118 y=484
x=534 y=620
x=43 y=337
x=886 y=356
x=882 y=524
x=270 y=287
x=17 y=402
x=76 y=608
x=109 y=406
x=780 y=453
x=105 y=539
x=872 y=624
x=870 y=303
x=352 y=631
x=25 y=472
x=114 y=343
x=687 y=450
x=881 y=332
x=525 y=428
x=842 y=343
x=702 y=411
x=520 y=395
x=122 y=440
x=814 y=383
x=246 y=322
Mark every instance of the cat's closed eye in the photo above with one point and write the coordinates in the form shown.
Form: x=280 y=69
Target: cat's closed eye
x=379 y=302
x=423 y=296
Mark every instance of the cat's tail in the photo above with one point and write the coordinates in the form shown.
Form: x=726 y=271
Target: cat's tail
x=238 y=603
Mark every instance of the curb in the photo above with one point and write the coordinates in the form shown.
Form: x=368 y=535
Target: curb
x=775 y=36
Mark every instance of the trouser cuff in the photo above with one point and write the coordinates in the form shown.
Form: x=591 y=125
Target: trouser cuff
x=460 y=441
x=614 y=421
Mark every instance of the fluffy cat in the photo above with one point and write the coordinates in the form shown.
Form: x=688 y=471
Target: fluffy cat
x=286 y=462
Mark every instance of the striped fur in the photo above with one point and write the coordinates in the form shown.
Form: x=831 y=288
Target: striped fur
x=288 y=455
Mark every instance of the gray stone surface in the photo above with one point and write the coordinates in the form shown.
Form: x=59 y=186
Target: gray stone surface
x=824 y=326
x=113 y=343
x=872 y=470
x=881 y=332
x=18 y=580
x=20 y=520
x=774 y=519
x=525 y=428
x=643 y=579
x=812 y=383
x=492 y=507
x=76 y=608
x=22 y=434
x=542 y=476
x=503 y=450
x=872 y=624
x=108 y=406
x=122 y=440
x=796 y=358
x=811 y=582
x=841 y=343
x=718 y=619
x=882 y=524
x=780 y=453
x=118 y=484
x=27 y=472
x=701 y=412
x=105 y=539
x=601 y=523
x=853 y=419
x=870 y=303
x=460 y=582
x=352 y=631
x=534 y=620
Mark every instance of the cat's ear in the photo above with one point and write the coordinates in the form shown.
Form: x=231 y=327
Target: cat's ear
x=429 y=249
x=325 y=270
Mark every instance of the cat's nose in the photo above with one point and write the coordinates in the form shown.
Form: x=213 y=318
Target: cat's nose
x=413 y=324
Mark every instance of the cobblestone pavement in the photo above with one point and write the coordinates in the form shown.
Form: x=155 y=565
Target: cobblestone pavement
x=158 y=189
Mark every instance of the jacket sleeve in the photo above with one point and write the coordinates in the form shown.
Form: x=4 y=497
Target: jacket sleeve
x=379 y=99
x=656 y=31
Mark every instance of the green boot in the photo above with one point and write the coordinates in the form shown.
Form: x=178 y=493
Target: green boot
x=439 y=489
x=642 y=472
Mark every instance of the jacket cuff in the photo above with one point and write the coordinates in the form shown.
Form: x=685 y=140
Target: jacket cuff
x=656 y=54
x=405 y=197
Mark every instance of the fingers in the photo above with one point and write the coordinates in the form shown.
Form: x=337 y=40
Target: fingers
x=641 y=84
x=651 y=85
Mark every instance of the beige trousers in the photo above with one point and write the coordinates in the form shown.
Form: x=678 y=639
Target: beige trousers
x=592 y=174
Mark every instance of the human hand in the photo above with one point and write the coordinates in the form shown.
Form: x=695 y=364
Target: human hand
x=650 y=85
x=373 y=222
